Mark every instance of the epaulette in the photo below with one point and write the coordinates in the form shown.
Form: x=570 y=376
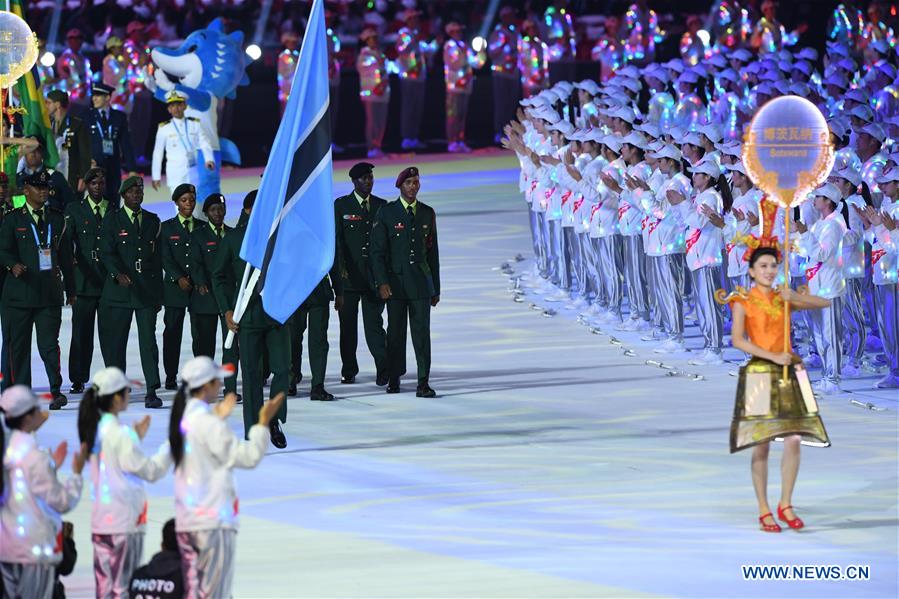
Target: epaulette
x=164 y=123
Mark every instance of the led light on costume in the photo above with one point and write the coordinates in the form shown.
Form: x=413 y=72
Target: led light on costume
x=412 y=52
x=846 y=25
x=661 y=110
x=502 y=48
x=559 y=33
x=690 y=111
x=533 y=64
x=459 y=62
x=75 y=75
x=693 y=48
x=609 y=53
x=116 y=75
x=729 y=25
x=287 y=66
x=333 y=60
x=643 y=33
x=373 y=77
x=774 y=37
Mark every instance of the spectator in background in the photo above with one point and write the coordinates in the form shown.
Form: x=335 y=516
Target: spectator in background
x=502 y=47
x=73 y=142
x=138 y=53
x=333 y=72
x=532 y=60
x=412 y=54
x=559 y=31
x=161 y=578
x=116 y=74
x=609 y=49
x=374 y=90
x=287 y=65
x=459 y=62
x=74 y=70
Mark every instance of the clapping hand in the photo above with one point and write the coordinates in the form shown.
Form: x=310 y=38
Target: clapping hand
x=224 y=408
x=141 y=426
x=713 y=216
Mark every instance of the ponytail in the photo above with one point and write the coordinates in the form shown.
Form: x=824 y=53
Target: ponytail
x=176 y=435
x=89 y=413
x=866 y=194
x=845 y=211
x=727 y=196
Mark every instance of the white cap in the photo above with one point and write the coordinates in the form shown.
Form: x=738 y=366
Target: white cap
x=175 y=96
x=807 y=54
x=771 y=76
x=629 y=71
x=837 y=48
x=728 y=75
x=110 y=380
x=667 y=151
x=718 y=61
x=741 y=54
x=589 y=86
x=688 y=77
x=547 y=114
x=563 y=127
x=863 y=112
x=624 y=113
x=829 y=191
x=657 y=72
x=887 y=69
x=613 y=142
x=857 y=96
x=888 y=176
x=874 y=130
x=635 y=139
x=17 y=401
x=880 y=46
x=848 y=173
x=837 y=80
x=709 y=167
x=675 y=64
x=198 y=371
x=650 y=129
x=838 y=126
x=631 y=84
x=563 y=88
x=711 y=131
x=691 y=138
x=803 y=67
x=736 y=166
x=731 y=148
x=800 y=89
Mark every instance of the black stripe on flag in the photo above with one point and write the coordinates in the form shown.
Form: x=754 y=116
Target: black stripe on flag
x=307 y=157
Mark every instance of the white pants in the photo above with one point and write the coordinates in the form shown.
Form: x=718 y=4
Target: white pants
x=116 y=557
x=27 y=581
x=207 y=562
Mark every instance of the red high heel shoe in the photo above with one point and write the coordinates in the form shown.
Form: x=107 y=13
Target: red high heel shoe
x=769 y=527
x=795 y=523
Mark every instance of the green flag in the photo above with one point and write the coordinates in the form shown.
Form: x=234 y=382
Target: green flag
x=35 y=120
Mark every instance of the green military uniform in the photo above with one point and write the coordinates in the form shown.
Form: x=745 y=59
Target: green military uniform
x=129 y=245
x=314 y=313
x=258 y=331
x=177 y=261
x=84 y=221
x=39 y=240
x=354 y=217
x=5 y=209
x=205 y=313
x=404 y=255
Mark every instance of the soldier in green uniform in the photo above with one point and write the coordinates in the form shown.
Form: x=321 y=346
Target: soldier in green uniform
x=83 y=220
x=130 y=252
x=205 y=314
x=59 y=193
x=178 y=287
x=313 y=313
x=354 y=214
x=5 y=208
x=406 y=270
x=36 y=249
x=257 y=332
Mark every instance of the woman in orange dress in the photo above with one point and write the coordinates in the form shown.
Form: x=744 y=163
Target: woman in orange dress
x=767 y=407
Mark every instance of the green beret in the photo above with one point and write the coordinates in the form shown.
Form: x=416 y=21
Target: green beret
x=132 y=181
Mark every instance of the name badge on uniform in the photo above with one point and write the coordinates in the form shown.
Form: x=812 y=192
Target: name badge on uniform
x=399 y=226
x=108 y=148
x=44 y=259
x=352 y=217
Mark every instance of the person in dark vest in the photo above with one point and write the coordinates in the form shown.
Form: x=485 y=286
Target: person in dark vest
x=36 y=249
x=111 y=147
x=258 y=334
x=129 y=250
x=162 y=577
x=406 y=269
x=205 y=316
x=84 y=219
x=355 y=213
x=59 y=193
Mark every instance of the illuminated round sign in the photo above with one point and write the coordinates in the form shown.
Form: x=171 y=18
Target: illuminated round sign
x=787 y=151
x=18 y=48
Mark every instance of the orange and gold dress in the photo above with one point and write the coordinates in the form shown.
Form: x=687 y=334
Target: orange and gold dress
x=766 y=407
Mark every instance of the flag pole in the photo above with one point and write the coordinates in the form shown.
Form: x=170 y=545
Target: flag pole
x=243 y=298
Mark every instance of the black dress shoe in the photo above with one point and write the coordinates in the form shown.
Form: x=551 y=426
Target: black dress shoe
x=393 y=386
x=425 y=391
x=318 y=393
x=239 y=398
x=171 y=385
x=292 y=391
x=278 y=438
x=347 y=380
x=381 y=380
x=58 y=401
x=151 y=401
x=77 y=388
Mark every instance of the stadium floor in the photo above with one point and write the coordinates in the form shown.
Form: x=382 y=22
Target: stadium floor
x=553 y=464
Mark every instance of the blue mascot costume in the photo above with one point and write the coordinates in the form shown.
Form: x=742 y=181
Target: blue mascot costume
x=208 y=66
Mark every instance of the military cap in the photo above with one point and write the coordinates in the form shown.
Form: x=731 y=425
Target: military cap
x=412 y=171
x=132 y=181
x=40 y=178
x=183 y=189
x=101 y=89
x=175 y=96
x=93 y=173
x=213 y=199
x=361 y=169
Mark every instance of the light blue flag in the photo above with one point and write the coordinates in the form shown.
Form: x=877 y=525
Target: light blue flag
x=290 y=235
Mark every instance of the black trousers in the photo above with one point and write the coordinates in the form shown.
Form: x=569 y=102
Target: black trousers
x=45 y=323
x=254 y=342
x=173 y=320
x=372 y=325
x=114 y=328
x=203 y=331
x=418 y=314
x=81 y=349
x=412 y=100
x=315 y=318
